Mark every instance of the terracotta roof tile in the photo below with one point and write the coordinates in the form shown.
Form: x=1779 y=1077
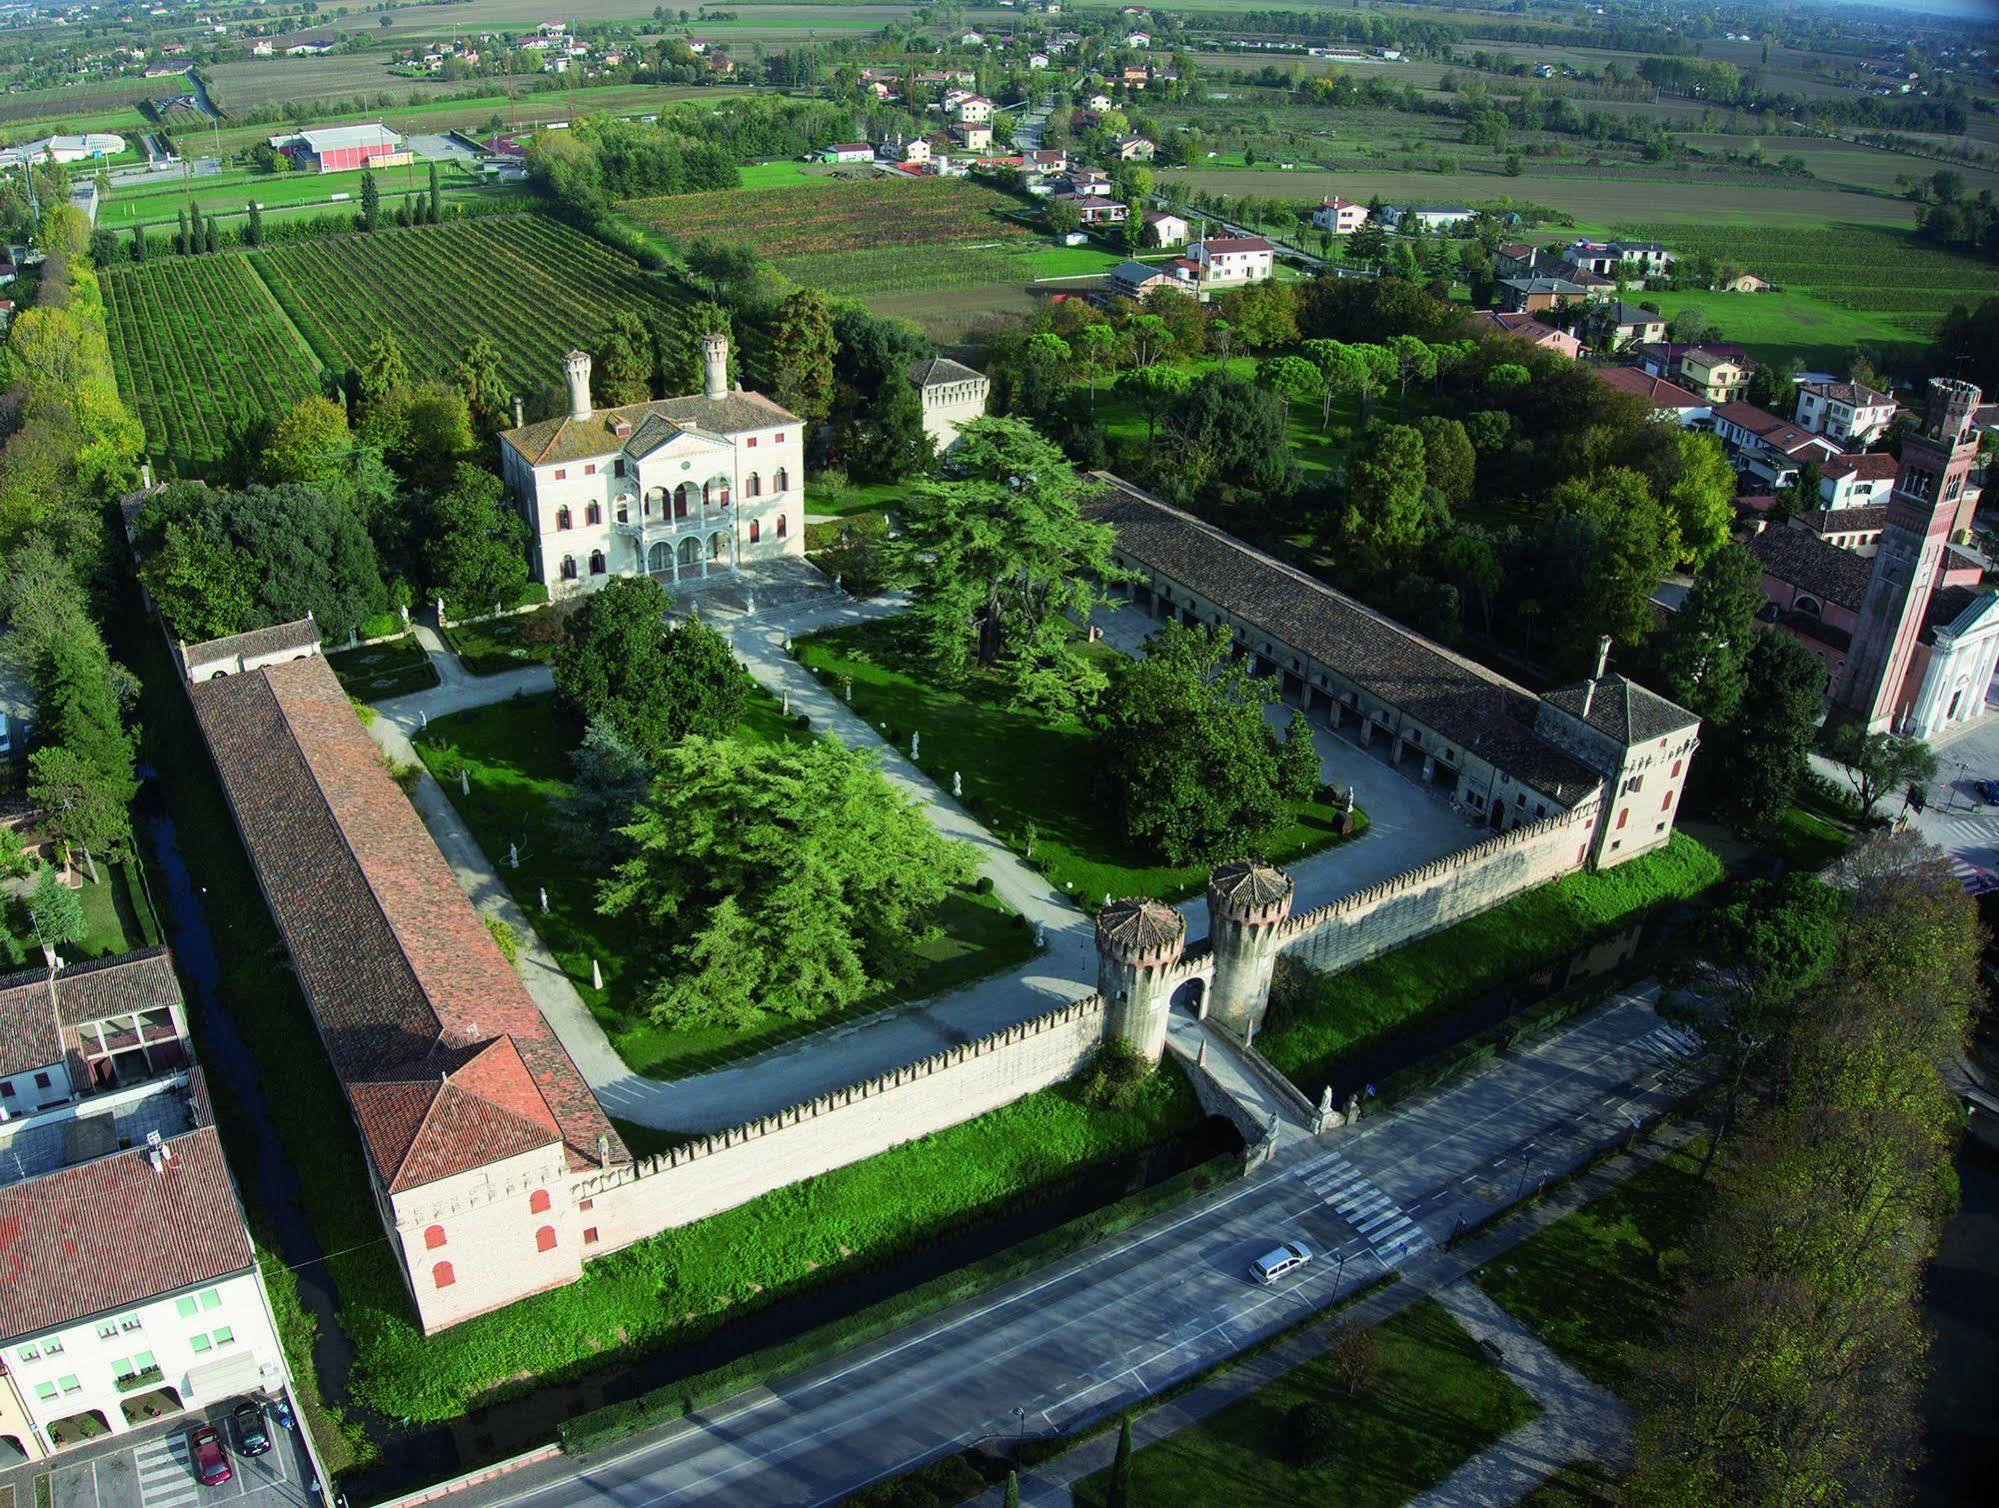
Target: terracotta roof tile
x=1801 y=559
x=32 y=1015
x=401 y=974
x=1137 y=928
x=1656 y=391
x=553 y=441
x=115 y=1232
x=1470 y=705
x=1623 y=709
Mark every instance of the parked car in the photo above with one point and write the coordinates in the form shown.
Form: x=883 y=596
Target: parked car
x=1280 y=1263
x=1988 y=792
x=211 y=1460
x=253 y=1436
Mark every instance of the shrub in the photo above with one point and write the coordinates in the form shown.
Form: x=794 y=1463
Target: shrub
x=1113 y=1078
x=506 y=939
x=802 y=722
x=1311 y=1433
x=984 y=884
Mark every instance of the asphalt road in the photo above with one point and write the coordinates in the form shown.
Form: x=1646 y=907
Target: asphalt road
x=1114 y=1324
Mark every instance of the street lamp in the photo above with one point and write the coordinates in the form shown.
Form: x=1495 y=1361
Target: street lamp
x=1339 y=1273
x=1526 y=1162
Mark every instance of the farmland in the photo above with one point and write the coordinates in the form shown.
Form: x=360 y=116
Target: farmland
x=230 y=194
x=1879 y=272
x=192 y=338
x=857 y=216
x=438 y=286
x=261 y=326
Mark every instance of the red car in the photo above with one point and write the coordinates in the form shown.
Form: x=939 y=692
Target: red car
x=211 y=1461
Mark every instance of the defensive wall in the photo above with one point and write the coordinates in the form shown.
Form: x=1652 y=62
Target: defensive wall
x=735 y=1166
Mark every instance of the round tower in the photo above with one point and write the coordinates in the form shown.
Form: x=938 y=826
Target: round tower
x=715 y=365
x=1137 y=942
x=1247 y=901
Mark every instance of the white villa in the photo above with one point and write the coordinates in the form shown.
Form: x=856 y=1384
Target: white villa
x=681 y=489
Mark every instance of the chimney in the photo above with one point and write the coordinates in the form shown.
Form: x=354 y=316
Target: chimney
x=715 y=365
x=576 y=367
x=1602 y=659
x=520 y=411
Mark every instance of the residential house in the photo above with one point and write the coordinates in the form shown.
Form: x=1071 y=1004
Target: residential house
x=1521 y=259
x=1037 y=60
x=1092 y=209
x=1164 y=228
x=1857 y=481
x=131 y=1290
x=1135 y=149
x=1134 y=280
x=1098 y=102
x=1855 y=529
x=1619 y=325
x=1668 y=399
x=1769 y=449
x=1087 y=181
x=1339 y=216
x=1433 y=217
x=1719 y=373
x=846 y=151
x=1218 y=262
x=1531 y=330
x=1745 y=282
x=973 y=138
x=972 y=110
x=1605 y=257
x=1850 y=414
x=1530 y=295
x=1046 y=160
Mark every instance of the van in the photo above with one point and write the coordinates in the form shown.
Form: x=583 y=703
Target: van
x=1280 y=1263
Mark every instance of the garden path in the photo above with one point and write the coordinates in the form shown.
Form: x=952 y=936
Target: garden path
x=1410 y=824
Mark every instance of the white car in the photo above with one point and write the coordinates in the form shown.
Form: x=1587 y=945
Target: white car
x=1280 y=1263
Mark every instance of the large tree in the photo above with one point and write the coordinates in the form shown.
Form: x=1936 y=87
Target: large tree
x=1188 y=757
x=1762 y=757
x=202 y=582
x=1226 y=434
x=1001 y=557
x=310 y=443
x=1625 y=540
x=790 y=880
x=1391 y=508
x=475 y=548
x=483 y=385
x=1706 y=654
x=623 y=368
x=621 y=667
x=1875 y=764
x=801 y=354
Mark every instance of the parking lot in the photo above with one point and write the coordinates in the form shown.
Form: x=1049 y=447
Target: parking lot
x=152 y=1469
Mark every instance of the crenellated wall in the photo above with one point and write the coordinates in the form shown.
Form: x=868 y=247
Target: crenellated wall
x=1409 y=905
x=735 y=1166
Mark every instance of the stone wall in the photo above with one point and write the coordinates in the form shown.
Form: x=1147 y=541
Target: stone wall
x=733 y=1167
x=1419 y=901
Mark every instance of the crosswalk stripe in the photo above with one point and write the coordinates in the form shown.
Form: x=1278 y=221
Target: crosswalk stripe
x=1374 y=1215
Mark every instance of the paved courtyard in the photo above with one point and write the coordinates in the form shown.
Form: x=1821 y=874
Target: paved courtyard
x=152 y=1469
x=1957 y=820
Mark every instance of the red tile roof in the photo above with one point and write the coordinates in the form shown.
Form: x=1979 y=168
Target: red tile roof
x=1868 y=466
x=115 y=1232
x=32 y=1013
x=1656 y=391
x=1237 y=243
x=447 y=1061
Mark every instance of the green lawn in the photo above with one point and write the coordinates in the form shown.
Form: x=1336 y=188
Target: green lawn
x=502 y=644
x=1594 y=1284
x=116 y=907
x=1372 y=1001
x=229 y=194
x=838 y=502
x=376 y=672
x=1435 y=1400
x=685 y=1282
x=1772 y=326
x=516 y=755
x=1021 y=768
x=1808 y=840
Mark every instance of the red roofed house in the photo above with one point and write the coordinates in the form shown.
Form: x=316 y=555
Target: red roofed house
x=129 y=1291
x=1668 y=399
x=1847 y=413
x=1531 y=330
x=1767 y=448
x=1340 y=216
x=1218 y=262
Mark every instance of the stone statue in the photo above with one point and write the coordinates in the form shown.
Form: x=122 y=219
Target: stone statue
x=915 y=744
x=1325 y=1102
x=596 y=976
x=404 y=609
x=787 y=699
x=513 y=856
x=836 y=583
x=957 y=784
x=1040 y=935
x=464 y=782
x=544 y=900
x=422 y=720
x=750 y=604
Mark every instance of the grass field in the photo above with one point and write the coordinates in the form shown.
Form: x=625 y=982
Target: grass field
x=194 y=337
x=516 y=756
x=1373 y=1001
x=230 y=194
x=1021 y=769
x=1594 y=1284
x=890 y=269
x=1434 y=1401
x=376 y=672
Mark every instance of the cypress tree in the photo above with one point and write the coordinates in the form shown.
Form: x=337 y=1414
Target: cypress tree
x=213 y=236
x=138 y=244
x=435 y=195
x=180 y=236
x=253 y=233
x=1119 y=1495
x=371 y=201
x=1012 y=1490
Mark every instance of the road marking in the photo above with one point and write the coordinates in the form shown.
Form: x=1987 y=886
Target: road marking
x=166 y=1472
x=1375 y=1217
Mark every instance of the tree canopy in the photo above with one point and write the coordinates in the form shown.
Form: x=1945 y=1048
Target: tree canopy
x=792 y=879
x=620 y=667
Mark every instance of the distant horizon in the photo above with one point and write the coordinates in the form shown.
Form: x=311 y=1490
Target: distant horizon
x=1957 y=10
